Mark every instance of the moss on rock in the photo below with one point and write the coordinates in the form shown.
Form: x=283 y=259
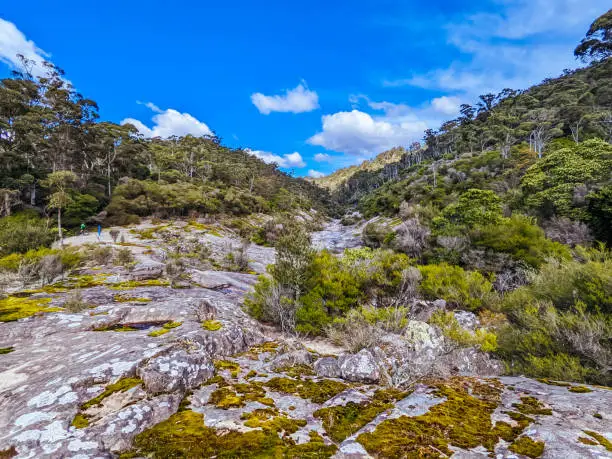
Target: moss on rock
x=316 y=391
x=341 y=422
x=185 y=435
x=14 y=308
x=603 y=441
x=462 y=420
x=120 y=386
x=532 y=406
x=80 y=421
x=527 y=447
x=212 y=325
x=6 y=350
x=579 y=389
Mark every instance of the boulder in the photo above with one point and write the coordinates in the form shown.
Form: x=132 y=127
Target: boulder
x=360 y=367
x=467 y=320
x=176 y=370
x=148 y=269
x=327 y=367
x=297 y=357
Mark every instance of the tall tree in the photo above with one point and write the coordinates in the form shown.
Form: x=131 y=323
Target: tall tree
x=597 y=44
x=60 y=182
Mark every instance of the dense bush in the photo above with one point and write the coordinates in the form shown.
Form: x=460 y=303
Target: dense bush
x=22 y=232
x=520 y=237
x=461 y=289
x=561 y=323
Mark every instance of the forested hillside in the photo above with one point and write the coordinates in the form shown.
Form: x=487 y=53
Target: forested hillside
x=56 y=154
x=576 y=106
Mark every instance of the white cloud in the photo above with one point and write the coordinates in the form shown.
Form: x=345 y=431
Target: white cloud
x=525 y=42
x=358 y=133
x=170 y=122
x=288 y=160
x=446 y=105
x=322 y=158
x=315 y=174
x=13 y=42
x=297 y=100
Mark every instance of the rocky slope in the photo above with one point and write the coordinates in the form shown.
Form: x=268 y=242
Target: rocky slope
x=150 y=370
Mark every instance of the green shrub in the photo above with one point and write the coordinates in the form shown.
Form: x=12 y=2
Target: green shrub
x=459 y=288
x=482 y=338
x=22 y=232
x=521 y=238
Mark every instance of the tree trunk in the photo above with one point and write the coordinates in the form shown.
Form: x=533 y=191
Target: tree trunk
x=33 y=194
x=59 y=225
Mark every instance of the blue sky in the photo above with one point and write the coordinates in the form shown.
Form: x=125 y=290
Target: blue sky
x=312 y=85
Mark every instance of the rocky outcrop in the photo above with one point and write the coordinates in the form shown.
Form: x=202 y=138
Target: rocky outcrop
x=177 y=369
x=360 y=367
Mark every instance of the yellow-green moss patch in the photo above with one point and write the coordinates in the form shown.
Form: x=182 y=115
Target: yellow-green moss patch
x=296 y=371
x=532 y=406
x=130 y=284
x=6 y=350
x=550 y=382
x=14 y=308
x=120 y=386
x=212 y=325
x=80 y=421
x=342 y=421
x=603 y=441
x=588 y=441
x=165 y=328
x=232 y=367
x=185 y=435
x=462 y=420
x=253 y=352
x=316 y=391
x=527 y=447
x=579 y=389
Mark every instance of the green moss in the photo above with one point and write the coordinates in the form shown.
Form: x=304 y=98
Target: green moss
x=225 y=398
x=533 y=406
x=316 y=391
x=80 y=421
x=268 y=419
x=6 y=350
x=462 y=420
x=184 y=435
x=342 y=421
x=588 y=441
x=120 y=386
x=127 y=299
x=251 y=374
x=165 y=328
x=603 y=441
x=232 y=367
x=579 y=389
x=598 y=416
x=156 y=333
x=296 y=371
x=553 y=383
x=218 y=380
x=527 y=447
x=130 y=284
x=212 y=325
x=14 y=308
x=254 y=352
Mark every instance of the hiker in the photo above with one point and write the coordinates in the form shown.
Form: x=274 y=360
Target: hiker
x=82 y=228
x=99 y=232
